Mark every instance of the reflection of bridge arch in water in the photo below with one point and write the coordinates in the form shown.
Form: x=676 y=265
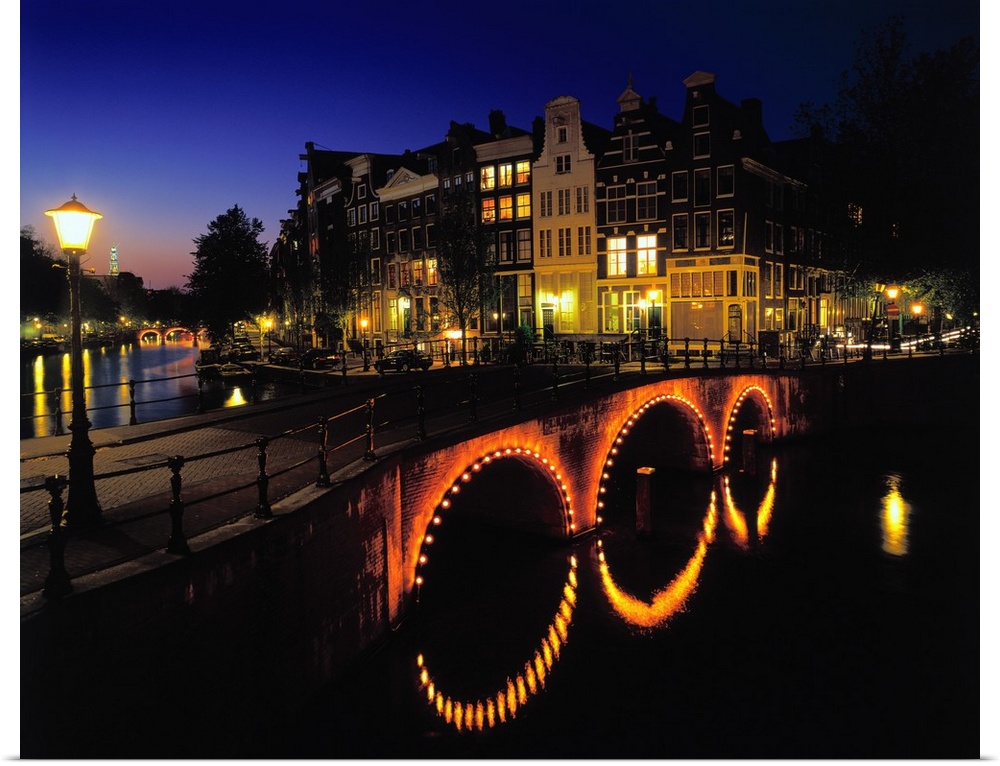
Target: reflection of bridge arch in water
x=670 y=599
x=528 y=681
x=502 y=705
x=736 y=518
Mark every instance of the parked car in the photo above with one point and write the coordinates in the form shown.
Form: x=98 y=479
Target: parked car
x=403 y=360
x=320 y=359
x=285 y=356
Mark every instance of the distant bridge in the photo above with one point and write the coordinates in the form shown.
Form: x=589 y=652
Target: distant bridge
x=160 y=335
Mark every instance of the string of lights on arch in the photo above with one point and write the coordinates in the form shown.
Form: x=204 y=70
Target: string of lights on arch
x=501 y=706
x=609 y=459
x=736 y=410
x=473 y=470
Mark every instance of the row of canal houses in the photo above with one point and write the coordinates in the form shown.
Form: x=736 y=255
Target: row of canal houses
x=700 y=228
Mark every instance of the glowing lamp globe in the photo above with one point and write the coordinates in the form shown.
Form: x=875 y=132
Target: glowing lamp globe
x=74 y=224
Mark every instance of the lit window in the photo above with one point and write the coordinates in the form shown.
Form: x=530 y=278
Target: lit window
x=617 y=257
x=432 y=271
x=506 y=208
x=489 y=211
x=524 y=205
x=506 y=174
x=418 y=272
x=523 y=169
x=487 y=178
x=646 y=260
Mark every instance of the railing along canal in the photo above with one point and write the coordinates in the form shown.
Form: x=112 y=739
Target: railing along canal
x=455 y=393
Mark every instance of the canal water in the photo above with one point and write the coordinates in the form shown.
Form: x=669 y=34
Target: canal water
x=166 y=386
x=826 y=608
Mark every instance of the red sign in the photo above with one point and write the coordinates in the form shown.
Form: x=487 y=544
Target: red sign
x=892 y=311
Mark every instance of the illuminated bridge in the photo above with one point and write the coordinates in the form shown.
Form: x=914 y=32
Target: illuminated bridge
x=295 y=599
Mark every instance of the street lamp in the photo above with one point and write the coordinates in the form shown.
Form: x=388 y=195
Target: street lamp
x=364 y=344
x=891 y=312
x=74 y=224
x=653 y=295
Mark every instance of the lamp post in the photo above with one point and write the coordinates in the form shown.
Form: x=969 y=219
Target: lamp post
x=653 y=295
x=74 y=224
x=364 y=344
x=891 y=312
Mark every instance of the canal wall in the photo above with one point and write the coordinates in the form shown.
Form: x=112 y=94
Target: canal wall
x=209 y=655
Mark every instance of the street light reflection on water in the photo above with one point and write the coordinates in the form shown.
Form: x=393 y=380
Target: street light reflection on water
x=895 y=518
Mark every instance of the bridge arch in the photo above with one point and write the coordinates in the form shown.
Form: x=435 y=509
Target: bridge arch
x=161 y=333
x=540 y=468
x=754 y=410
x=698 y=433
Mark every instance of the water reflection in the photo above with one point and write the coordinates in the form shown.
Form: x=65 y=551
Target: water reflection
x=502 y=705
x=666 y=602
x=736 y=519
x=895 y=518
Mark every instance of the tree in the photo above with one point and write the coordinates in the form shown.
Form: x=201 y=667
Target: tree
x=230 y=277
x=44 y=291
x=906 y=133
x=466 y=263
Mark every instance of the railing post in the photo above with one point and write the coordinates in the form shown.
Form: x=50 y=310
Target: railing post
x=176 y=543
x=201 y=394
x=370 y=430
x=722 y=353
x=752 y=353
x=57 y=582
x=687 y=353
x=57 y=429
x=324 y=477
x=131 y=402
x=704 y=353
x=473 y=398
x=421 y=412
x=517 y=386
x=885 y=351
x=263 y=506
x=642 y=358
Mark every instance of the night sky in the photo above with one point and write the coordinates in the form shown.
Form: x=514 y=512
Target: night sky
x=163 y=116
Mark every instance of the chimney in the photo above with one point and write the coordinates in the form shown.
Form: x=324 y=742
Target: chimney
x=498 y=123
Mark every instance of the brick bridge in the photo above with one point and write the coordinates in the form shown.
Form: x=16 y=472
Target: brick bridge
x=278 y=609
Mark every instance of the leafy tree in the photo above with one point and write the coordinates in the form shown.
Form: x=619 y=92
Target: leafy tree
x=44 y=291
x=906 y=135
x=230 y=277
x=466 y=263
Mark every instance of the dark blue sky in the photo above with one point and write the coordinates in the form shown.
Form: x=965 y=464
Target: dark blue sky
x=163 y=116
